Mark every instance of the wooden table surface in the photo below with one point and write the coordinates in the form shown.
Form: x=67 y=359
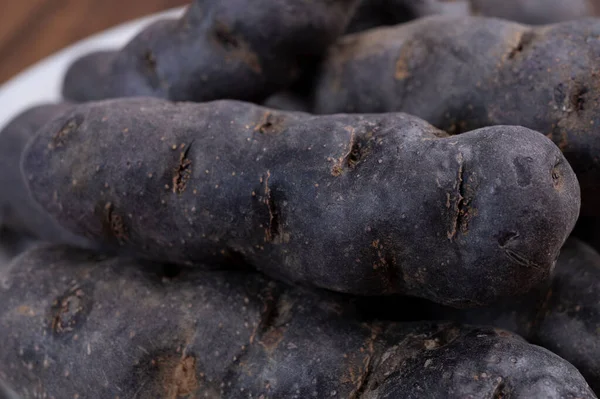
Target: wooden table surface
x=33 y=29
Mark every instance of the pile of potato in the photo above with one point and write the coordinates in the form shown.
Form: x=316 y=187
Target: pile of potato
x=312 y=199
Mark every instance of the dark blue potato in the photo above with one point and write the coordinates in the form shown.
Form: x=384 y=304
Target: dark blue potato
x=465 y=73
x=75 y=325
x=18 y=211
x=219 y=49
x=562 y=315
x=373 y=13
x=365 y=204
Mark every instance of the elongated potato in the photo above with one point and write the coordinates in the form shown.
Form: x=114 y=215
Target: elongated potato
x=218 y=49
x=18 y=211
x=365 y=204
x=75 y=325
x=461 y=74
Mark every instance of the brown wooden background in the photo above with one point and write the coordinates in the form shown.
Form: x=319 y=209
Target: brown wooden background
x=33 y=29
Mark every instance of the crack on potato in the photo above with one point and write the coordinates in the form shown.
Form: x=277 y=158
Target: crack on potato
x=501 y=391
x=577 y=98
x=68 y=311
x=338 y=166
x=525 y=39
x=274 y=323
x=184 y=381
x=183 y=172
x=402 y=69
x=363 y=379
x=358 y=151
x=236 y=47
x=224 y=36
x=114 y=225
x=461 y=208
x=557 y=176
x=150 y=71
x=150 y=60
x=270 y=123
x=274 y=231
x=59 y=139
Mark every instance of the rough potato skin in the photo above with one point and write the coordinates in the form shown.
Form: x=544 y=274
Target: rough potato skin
x=373 y=13
x=364 y=204
x=101 y=328
x=461 y=74
x=18 y=211
x=561 y=315
x=218 y=49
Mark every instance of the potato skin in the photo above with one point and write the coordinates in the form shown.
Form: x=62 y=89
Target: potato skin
x=365 y=204
x=102 y=328
x=374 y=13
x=218 y=49
x=461 y=74
x=18 y=211
x=561 y=315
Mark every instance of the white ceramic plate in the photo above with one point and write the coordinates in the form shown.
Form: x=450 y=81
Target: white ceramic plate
x=41 y=83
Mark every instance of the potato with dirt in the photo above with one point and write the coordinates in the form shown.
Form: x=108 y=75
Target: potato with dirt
x=101 y=328
x=18 y=211
x=363 y=204
x=461 y=74
x=218 y=49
